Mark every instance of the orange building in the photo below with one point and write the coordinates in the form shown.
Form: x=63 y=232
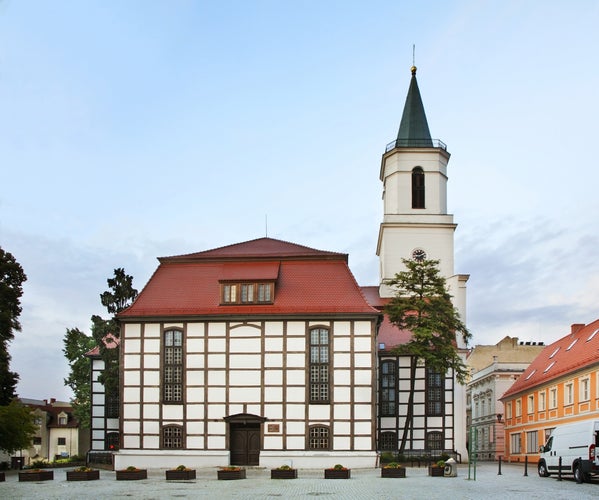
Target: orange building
x=560 y=386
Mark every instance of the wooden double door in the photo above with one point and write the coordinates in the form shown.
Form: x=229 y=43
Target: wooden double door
x=244 y=443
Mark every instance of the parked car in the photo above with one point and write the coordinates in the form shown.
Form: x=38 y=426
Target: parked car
x=577 y=445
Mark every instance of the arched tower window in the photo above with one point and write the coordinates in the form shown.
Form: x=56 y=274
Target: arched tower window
x=418 y=188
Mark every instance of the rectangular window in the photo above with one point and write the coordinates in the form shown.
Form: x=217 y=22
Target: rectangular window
x=515 y=443
x=62 y=441
x=112 y=404
x=319 y=365
x=247 y=293
x=569 y=393
x=37 y=440
x=508 y=410
x=518 y=407
x=542 y=401
x=172 y=437
x=531 y=404
x=172 y=376
x=585 y=393
x=388 y=393
x=434 y=392
x=553 y=398
x=319 y=438
x=532 y=442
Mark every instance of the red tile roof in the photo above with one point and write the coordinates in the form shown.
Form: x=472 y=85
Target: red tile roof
x=388 y=334
x=261 y=248
x=308 y=281
x=110 y=341
x=571 y=353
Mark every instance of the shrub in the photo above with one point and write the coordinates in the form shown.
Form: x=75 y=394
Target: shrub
x=338 y=467
x=444 y=457
x=392 y=465
x=285 y=467
x=39 y=464
x=386 y=456
x=441 y=463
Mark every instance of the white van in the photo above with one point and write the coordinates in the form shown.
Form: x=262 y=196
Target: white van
x=577 y=445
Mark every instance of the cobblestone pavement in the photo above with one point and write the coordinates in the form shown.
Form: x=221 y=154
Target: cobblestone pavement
x=364 y=484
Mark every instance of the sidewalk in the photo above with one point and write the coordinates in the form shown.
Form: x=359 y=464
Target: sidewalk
x=364 y=484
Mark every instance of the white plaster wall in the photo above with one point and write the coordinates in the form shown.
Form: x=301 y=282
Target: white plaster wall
x=151 y=345
x=195 y=330
x=273 y=359
x=319 y=412
x=152 y=330
x=172 y=412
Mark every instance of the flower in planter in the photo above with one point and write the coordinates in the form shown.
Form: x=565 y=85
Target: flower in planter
x=83 y=468
x=131 y=468
x=338 y=467
x=440 y=463
x=392 y=465
x=230 y=468
x=285 y=467
x=182 y=468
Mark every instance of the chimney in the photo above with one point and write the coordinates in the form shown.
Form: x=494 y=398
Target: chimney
x=576 y=326
x=52 y=400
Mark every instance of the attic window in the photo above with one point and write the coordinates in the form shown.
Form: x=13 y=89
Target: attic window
x=572 y=344
x=247 y=293
x=592 y=335
x=62 y=420
x=554 y=353
x=549 y=367
x=531 y=374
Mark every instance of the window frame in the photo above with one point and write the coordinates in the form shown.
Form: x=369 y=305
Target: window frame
x=435 y=393
x=247 y=293
x=388 y=441
x=388 y=389
x=569 y=393
x=61 y=441
x=532 y=441
x=319 y=372
x=164 y=439
x=542 y=400
x=515 y=443
x=584 y=389
x=325 y=438
x=418 y=188
x=553 y=398
x=434 y=437
x=173 y=367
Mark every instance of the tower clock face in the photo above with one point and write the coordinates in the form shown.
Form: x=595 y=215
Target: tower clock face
x=418 y=254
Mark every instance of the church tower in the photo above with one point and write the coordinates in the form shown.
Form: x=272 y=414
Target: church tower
x=416 y=224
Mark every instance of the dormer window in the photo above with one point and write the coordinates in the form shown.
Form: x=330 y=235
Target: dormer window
x=247 y=293
x=62 y=419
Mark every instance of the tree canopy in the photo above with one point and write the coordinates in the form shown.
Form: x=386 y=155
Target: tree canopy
x=76 y=345
x=17 y=427
x=423 y=306
x=12 y=277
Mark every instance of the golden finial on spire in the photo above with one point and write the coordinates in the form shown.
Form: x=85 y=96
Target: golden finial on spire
x=413 y=69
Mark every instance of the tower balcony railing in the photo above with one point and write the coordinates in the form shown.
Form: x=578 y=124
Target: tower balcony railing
x=416 y=143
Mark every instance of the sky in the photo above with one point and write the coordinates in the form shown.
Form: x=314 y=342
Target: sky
x=139 y=129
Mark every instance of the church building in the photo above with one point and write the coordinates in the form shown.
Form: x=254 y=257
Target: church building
x=268 y=352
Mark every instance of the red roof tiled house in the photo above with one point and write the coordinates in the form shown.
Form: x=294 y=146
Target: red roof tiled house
x=560 y=386
x=258 y=353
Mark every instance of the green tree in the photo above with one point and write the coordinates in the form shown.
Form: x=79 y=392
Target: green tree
x=422 y=305
x=17 y=427
x=119 y=297
x=12 y=277
x=76 y=344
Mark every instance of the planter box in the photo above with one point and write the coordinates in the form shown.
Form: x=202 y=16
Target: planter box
x=228 y=475
x=180 y=475
x=38 y=475
x=283 y=474
x=436 y=471
x=337 y=473
x=74 y=475
x=401 y=472
x=131 y=475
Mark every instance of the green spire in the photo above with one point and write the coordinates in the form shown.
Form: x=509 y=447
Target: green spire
x=413 y=129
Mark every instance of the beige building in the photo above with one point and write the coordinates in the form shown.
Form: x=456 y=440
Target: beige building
x=58 y=434
x=494 y=369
